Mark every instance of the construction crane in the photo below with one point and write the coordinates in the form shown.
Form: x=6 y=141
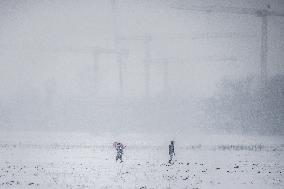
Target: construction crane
x=261 y=13
x=119 y=59
x=95 y=51
x=149 y=60
x=120 y=54
x=146 y=39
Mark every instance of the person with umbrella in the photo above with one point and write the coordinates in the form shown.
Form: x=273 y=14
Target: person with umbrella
x=119 y=150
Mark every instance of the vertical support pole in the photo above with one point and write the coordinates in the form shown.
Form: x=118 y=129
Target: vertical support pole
x=121 y=83
x=95 y=68
x=147 y=64
x=263 y=53
x=263 y=63
x=114 y=16
x=165 y=76
x=119 y=60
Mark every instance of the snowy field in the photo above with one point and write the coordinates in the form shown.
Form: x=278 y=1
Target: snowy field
x=37 y=160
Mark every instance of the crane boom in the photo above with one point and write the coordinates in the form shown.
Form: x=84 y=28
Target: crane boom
x=230 y=10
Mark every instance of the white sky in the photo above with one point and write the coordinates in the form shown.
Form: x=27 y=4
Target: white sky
x=31 y=32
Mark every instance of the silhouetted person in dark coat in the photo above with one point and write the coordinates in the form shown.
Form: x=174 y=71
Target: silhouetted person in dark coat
x=171 y=151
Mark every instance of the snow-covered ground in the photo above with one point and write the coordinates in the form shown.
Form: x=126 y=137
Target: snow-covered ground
x=70 y=160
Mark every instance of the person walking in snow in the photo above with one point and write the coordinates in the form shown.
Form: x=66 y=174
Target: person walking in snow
x=171 y=151
x=119 y=150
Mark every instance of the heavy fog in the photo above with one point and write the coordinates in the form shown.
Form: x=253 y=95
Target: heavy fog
x=181 y=66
